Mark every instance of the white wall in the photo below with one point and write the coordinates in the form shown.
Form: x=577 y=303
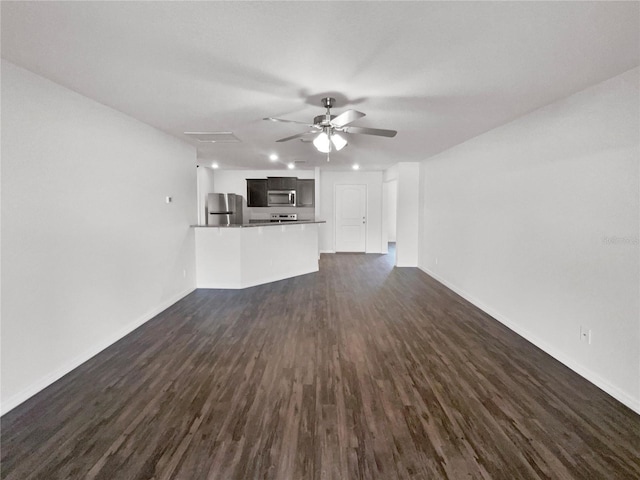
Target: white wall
x=385 y=217
x=537 y=222
x=205 y=186
x=389 y=206
x=90 y=249
x=373 y=181
x=407 y=217
x=392 y=211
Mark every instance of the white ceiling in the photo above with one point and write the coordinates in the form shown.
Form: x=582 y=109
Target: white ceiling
x=438 y=72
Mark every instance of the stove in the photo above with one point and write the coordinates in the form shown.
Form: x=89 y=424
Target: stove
x=283 y=217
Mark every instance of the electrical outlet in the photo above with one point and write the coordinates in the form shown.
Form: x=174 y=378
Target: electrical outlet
x=436 y=260
x=585 y=335
x=184 y=273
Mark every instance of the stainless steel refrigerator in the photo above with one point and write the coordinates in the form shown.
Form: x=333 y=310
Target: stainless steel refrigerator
x=224 y=209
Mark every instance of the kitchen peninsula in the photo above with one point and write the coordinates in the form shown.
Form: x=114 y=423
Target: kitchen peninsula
x=241 y=256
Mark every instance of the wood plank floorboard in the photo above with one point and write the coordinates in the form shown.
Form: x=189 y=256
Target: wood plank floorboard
x=359 y=371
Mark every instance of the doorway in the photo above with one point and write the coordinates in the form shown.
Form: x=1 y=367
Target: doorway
x=351 y=218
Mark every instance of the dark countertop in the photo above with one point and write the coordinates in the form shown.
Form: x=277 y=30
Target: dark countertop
x=260 y=223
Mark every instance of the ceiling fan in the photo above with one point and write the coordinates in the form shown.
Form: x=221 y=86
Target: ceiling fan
x=327 y=128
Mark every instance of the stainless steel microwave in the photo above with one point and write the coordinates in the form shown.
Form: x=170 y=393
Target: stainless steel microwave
x=281 y=198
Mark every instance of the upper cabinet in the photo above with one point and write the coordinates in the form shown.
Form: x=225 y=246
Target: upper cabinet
x=306 y=192
x=258 y=189
x=256 y=192
x=281 y=183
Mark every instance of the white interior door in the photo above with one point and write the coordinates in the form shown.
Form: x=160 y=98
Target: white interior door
x=351 y=218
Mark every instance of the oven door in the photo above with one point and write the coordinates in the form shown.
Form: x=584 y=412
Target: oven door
x=281 y=198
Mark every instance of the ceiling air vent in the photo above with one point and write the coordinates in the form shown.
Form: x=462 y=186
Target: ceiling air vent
x=214 y=137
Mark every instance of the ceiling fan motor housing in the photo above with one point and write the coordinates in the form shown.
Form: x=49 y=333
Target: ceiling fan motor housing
x=323 y=119
x=328 y=102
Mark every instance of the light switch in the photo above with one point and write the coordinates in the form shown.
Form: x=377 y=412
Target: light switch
x=168 y=199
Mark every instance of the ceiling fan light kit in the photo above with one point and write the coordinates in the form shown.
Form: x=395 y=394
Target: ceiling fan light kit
x=338 y=141
x=322 y=143
x=327 y=127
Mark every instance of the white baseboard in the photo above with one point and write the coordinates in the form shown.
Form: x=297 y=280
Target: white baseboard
x=597 y=380
x=377 y=252
x=75 y=362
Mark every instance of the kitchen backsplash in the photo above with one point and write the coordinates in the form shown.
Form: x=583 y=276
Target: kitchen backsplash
x=263 y=213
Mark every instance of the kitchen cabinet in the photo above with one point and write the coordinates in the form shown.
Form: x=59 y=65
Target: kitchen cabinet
x=281 y=183
x=306 y=192
x=256 y=192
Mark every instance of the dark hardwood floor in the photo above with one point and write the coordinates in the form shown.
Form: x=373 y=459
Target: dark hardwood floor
x=360 y=371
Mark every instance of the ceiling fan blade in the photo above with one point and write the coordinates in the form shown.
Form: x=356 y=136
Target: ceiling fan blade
x=346 y=118
x=287 y=121
x=299 y=135
x=371 y=131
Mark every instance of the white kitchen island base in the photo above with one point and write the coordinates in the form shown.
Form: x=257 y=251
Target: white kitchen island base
x=241 y=257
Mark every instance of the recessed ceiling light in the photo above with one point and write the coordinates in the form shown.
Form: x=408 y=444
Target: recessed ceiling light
x=356 y=166
x=291 y=166
x=214 y=165
x=273 y=157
